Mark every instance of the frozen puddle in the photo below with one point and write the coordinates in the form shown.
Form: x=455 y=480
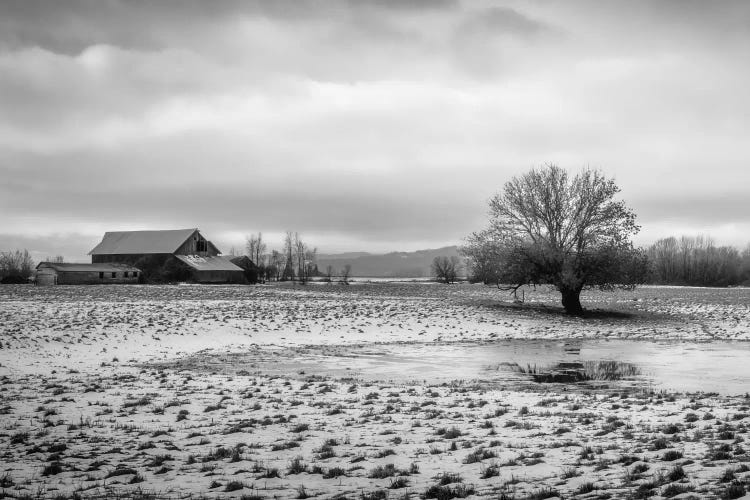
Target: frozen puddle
x=722 y=367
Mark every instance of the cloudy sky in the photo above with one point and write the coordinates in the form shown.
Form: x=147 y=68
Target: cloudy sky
x=365 y=125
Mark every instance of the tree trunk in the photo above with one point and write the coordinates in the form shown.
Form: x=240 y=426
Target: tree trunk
x=571 y=301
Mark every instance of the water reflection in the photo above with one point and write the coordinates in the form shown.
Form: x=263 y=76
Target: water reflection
x=567 y=372
x=720 y=367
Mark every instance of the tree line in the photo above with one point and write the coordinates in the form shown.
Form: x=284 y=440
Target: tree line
x=697 y=261
x=680 y=261
x=295 y=261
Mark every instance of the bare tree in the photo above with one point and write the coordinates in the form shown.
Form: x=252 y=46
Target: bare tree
x=445 y=269
x=17 y=263
x=288 y=272
x=329 y=274
x=311 y=263
x=276 y=265
x=345 y=273
x=256 y=249
x=300 y=252
x=745 y=266
x=549 y=228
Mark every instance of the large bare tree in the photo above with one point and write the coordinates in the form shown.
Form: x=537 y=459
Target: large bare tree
x=547 y=227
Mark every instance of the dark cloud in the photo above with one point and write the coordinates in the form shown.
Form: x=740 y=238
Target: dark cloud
x=502 y=21
x=379 y=122
x=70 y=27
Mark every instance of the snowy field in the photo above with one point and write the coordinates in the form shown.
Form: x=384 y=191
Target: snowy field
x=271 y=391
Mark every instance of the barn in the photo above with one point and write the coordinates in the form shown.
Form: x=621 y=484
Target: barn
x=53 y=273
x=168 y=255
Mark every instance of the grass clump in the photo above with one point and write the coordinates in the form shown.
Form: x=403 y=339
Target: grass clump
x=674 y=489
x=52 y=469
x=398 y=483
x=334 y=472
x=234 y=486
x=447 y=492
x=296 y=466
x=547 y=492
x=479 y=455
x=676 y=473
x=491 y=470
x=384 y=453
x=451 y=433
x=300 y=428
x=374 y=495
x=735 y=489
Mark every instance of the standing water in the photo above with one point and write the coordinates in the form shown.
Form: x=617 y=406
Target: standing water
x=720 y=367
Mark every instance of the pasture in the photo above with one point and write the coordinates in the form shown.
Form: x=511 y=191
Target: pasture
x=364 y=391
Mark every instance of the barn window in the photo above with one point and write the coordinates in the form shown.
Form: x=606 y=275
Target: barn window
x=125 y=274
x=114 y=275
x=201 y=246
x=101 y=275
x=135 y=274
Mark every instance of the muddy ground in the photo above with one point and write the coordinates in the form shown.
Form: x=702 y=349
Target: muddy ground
x=114 y=391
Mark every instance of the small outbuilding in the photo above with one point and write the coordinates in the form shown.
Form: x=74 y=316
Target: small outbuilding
x=53 y=273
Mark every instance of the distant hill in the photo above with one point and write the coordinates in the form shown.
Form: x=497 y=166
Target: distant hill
x=391 y=265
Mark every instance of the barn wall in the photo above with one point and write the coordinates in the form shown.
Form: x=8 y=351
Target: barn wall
x=92 y=278
x=219 y=276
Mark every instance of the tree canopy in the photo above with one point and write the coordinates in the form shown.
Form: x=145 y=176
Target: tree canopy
x=547 y=227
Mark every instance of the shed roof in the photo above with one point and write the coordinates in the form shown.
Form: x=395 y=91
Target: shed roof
x=217 y=263
x=136 y=242
x=75 y=267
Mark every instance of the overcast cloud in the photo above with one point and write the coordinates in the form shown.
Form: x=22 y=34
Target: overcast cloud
x=365 y=125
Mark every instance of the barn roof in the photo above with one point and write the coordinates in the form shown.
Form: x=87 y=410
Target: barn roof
x=218 y=263
x=137 y=242
x=96 y=268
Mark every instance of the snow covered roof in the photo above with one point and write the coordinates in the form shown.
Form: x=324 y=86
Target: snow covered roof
x=137 y=242
x=217 y=263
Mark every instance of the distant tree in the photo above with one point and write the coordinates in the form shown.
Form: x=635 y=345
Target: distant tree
x=298 y=261
x=311 y=263
x=694 y=261
x=16 y=266
x=345 y=273
x=482 y=258
x=745 y=266
x=300 y=254
x=329 y=274
x=445 y=269
x=549 y=228
x=665 y=260
x=288 y=272
x=276 y=265
x=256 y=248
